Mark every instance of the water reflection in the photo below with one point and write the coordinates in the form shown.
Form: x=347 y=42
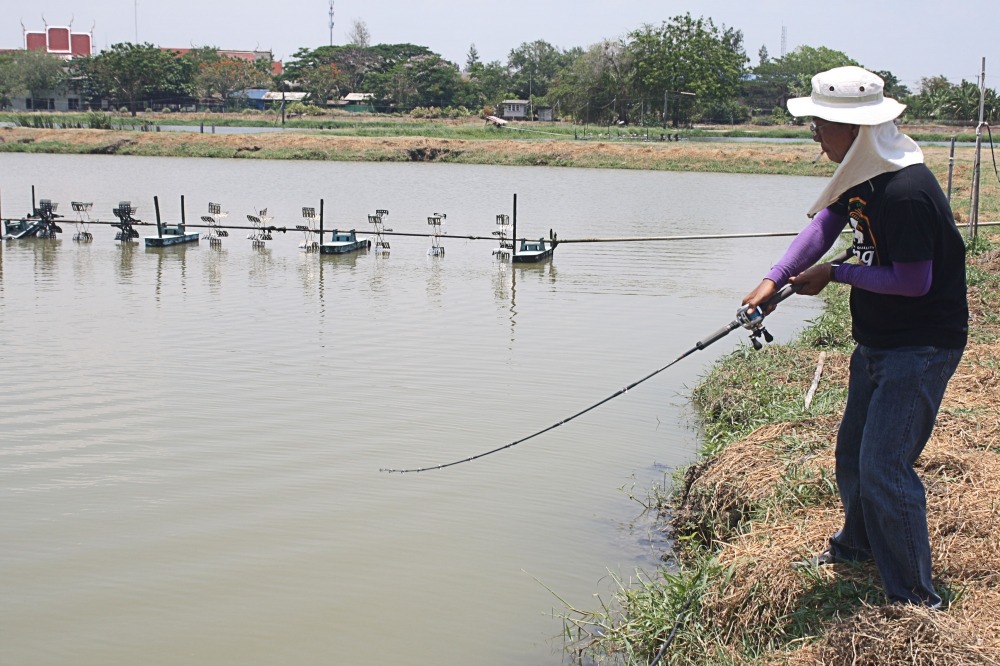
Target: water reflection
x=214 y=266
x=83 y=269
x=44 y=253
x=309 y=271
x=435 y=279
x=167 y=258
x=343 y=261
x=126 y=261
x=260 y=264
x=381 y=273
x=501 y=281
x=544 y=270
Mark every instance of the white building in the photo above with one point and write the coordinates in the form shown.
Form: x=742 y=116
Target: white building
x=515 y=109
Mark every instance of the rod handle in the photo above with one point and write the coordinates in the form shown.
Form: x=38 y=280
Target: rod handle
x=718 y=335
x=790 y=288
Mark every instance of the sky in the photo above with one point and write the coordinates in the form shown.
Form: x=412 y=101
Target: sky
x=912 y=39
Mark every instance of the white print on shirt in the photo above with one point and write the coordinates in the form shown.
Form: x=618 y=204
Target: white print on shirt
x=864 y=246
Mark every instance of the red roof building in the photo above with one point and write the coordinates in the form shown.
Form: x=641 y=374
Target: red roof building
x=60 y=41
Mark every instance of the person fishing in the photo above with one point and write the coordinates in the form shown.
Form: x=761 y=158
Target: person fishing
x=909 y=318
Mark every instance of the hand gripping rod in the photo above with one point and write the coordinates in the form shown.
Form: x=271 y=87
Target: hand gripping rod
x=751 y=320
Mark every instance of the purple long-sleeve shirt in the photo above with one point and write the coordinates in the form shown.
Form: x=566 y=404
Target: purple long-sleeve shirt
x=900 y=279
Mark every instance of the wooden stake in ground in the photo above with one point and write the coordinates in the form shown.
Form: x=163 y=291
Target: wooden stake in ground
x=815 y=381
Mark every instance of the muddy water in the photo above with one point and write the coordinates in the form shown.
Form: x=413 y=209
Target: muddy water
x=191 y=438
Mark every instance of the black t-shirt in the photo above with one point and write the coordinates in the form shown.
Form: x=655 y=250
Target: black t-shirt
x=903 y=216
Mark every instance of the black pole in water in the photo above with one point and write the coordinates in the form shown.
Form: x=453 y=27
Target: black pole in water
x=33 y=205
x=159 y=228
x=320 y=221
x=183 y=219
x=513 y=249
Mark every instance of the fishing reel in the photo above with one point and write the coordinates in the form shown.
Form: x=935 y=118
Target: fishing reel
x=753 y=321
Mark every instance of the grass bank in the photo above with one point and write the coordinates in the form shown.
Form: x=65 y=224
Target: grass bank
x=471 y=142
x=763 y=495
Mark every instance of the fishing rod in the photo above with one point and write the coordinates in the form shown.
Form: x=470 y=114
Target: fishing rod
x=747 y=317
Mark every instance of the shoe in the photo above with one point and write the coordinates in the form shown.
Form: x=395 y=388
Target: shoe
x=823 y=559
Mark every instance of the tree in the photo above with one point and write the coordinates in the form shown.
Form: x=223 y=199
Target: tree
x=933 y=84
x=940 y=100
x=533 y=66
x=762 y=56
x=688 y=55
x=893 y=86
x=590 y=87
x=360 y=36
x=39 y=72
x=217 y=76
x=778 y=79
x=323 y=83
x=226 y=76
x=11 y=84
x=423 y=80
x=487 y=84
x=472 y=58
x=133 y=73
x=354 y=64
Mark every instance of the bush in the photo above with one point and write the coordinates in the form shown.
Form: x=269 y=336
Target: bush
x=96 y=120
x=780 y=115
x=722 y=112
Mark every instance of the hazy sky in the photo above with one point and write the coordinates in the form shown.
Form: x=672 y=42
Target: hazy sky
x=912 y=39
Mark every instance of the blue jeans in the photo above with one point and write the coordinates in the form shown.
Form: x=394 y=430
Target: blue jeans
x=892 y=401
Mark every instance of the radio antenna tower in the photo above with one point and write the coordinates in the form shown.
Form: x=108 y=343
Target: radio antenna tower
x=784 y=37
x=331 y=22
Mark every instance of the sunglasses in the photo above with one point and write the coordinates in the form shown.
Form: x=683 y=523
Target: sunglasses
x=818 y=129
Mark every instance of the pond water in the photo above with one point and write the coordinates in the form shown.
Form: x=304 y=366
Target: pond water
x=191 y=438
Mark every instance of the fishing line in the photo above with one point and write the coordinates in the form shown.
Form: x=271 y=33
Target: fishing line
x=753 y=320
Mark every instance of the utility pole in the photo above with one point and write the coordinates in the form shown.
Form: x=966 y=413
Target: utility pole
x=331 y=22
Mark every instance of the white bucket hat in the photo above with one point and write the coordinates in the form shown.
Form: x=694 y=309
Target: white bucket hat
x=850 y=95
